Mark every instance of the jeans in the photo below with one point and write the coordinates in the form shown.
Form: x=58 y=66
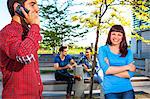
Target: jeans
x=122 y=95
x=65 y=77
x=96 y=77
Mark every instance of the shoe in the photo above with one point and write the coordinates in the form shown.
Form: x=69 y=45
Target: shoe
x=78 y=77
x=68 y=97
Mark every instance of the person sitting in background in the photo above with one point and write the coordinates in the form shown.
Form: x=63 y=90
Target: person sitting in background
x=62 y=62
x=86 y=61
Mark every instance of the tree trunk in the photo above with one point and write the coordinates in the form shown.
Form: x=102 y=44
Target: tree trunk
x=94 y=63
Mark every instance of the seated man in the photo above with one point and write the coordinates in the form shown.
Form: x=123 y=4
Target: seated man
x=62 y=62
x=86 y=62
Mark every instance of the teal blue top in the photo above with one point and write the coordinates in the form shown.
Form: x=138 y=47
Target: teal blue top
x=111 y=83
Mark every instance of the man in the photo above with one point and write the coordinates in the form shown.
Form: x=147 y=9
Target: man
x=86 y=62
x=18 y=52
x=62 y=62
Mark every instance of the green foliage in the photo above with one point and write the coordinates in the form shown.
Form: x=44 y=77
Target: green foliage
x=138 y=37
x=141 y=12
x=106 y=13
x=56 y=23
x=76 y=50
x=103 y=15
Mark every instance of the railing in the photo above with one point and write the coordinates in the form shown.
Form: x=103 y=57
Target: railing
x=143 y=66
x=46 y=61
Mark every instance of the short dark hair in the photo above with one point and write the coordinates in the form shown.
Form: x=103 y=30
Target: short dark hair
x=123 y=45
x=10 y=4
x=89 y=48
x=61 y=49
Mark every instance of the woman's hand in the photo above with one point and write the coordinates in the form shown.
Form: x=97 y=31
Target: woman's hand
x=132 y=67
x=106 y=60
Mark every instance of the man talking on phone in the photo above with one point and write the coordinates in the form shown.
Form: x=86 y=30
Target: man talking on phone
x=18 y=52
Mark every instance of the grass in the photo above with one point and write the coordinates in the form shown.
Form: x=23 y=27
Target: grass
x=142 y=96
x=75 y=51
x=70 y=51
x=47 y=71
x=42 y=51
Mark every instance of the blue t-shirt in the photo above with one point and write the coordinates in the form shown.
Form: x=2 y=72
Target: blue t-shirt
x=88 y=63
x=85 y=61
x=111 y=83
x=62 y=63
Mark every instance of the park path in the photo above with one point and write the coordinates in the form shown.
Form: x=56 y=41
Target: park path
x=140 y=84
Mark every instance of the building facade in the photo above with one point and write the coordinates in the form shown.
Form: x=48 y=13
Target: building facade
x=139 y=48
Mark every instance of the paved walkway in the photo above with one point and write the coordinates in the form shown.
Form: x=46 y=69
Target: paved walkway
x=141 y=86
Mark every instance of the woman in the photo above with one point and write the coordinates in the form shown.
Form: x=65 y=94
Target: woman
x=116 y=61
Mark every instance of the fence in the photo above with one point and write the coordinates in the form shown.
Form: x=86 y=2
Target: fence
x=46 y=61
x=143 y=66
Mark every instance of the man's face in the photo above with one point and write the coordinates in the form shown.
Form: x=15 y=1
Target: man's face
x=32 y=5
x=88 y=53
x=64 y=53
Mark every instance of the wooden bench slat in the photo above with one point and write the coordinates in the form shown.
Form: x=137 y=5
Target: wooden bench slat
x=51 y=82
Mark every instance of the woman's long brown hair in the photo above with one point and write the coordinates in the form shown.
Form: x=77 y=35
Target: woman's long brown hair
x=123 y=45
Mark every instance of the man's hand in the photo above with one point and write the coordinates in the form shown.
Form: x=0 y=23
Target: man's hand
x=88 y=70
x=69 y=66
x=32 y=17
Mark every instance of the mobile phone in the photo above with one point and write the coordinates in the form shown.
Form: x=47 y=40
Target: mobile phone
x=19 y=11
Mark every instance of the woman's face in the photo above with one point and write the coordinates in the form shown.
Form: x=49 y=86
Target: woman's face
x=116 y=38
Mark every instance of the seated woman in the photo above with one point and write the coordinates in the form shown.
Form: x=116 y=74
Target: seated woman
x=86 y=61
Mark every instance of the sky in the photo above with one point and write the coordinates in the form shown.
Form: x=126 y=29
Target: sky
x=88 y=39
x=4 y=14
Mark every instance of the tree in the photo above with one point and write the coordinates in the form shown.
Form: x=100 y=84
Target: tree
x=141 y=14
x=103 y=16
x=56 y=23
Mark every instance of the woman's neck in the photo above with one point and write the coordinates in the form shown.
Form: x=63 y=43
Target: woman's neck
x=115 y=49
x=115 y=46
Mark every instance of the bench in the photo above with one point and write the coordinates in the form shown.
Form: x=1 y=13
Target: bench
x=55 y=88
x=143 y=66
x=80 y=88
x=51 y=87
x=46 y=61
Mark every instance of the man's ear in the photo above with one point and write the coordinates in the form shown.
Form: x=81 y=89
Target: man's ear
x=15 y=6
